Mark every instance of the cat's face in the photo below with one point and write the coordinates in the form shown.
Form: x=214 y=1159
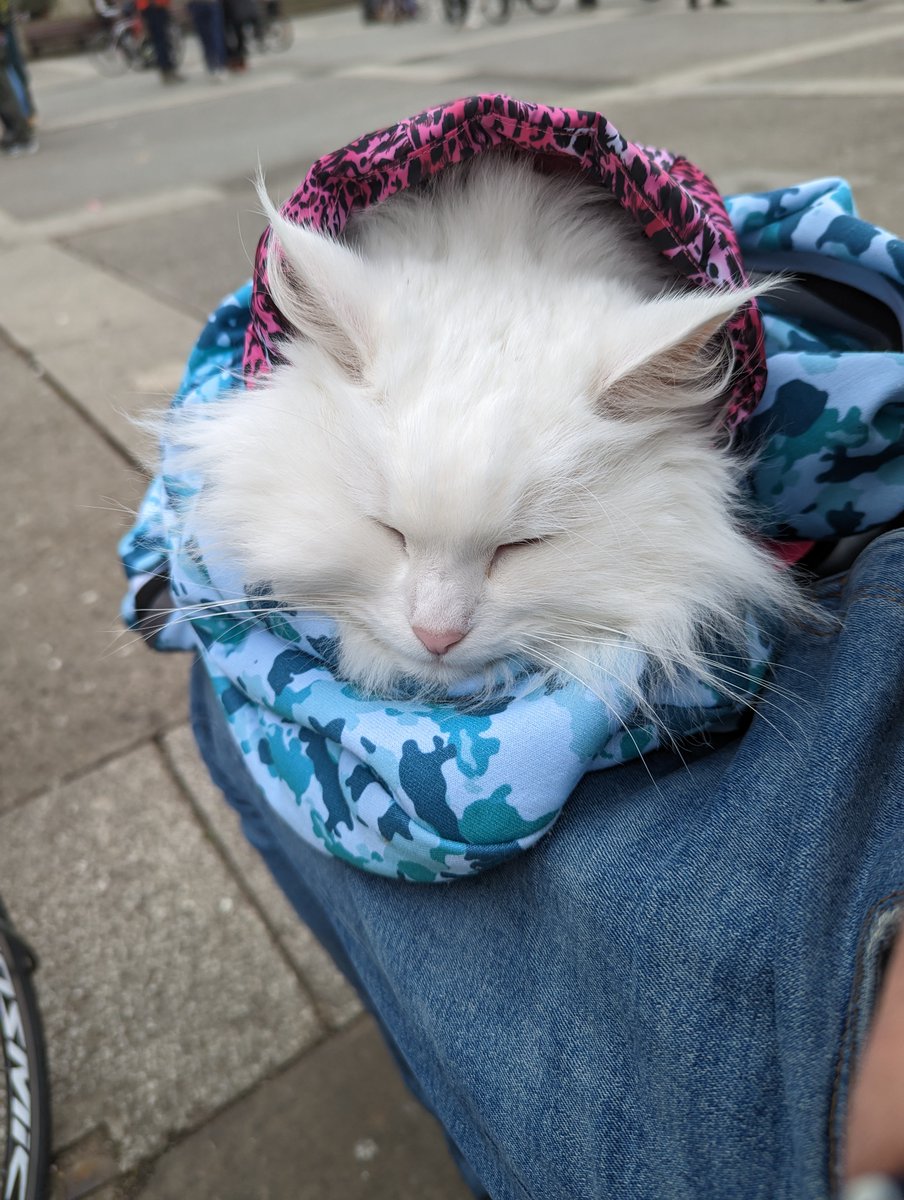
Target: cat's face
x=463 y=472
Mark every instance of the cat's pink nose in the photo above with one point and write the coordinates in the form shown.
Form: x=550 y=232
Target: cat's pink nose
x=438 y=641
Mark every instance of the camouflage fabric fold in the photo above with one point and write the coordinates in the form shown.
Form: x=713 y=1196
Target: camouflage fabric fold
x=830 y=426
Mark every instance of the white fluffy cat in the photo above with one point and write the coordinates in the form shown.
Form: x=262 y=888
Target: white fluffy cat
x=493 y=438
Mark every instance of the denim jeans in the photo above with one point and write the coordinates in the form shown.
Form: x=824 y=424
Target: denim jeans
x=157 y=19
x=664 y=999
x=207 y=18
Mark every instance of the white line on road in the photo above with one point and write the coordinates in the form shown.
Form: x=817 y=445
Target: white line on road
x=828 y=89
x=438 y=72
x=170 y=99
x=729 y=69
x=103 y=216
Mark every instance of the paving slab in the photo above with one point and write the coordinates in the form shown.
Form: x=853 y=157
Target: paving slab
x=75 y=688
x=151 y=253
x=338 y=1125
x=336 y=1001
x=871 y=62
x=107 y=343
x=163 y=995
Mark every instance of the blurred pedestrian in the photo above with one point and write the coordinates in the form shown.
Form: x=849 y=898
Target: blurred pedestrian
x=16 y=60
x=236 y=15
x=17 y=136
x=157 y=20
x=696 y=3
x=207 y=18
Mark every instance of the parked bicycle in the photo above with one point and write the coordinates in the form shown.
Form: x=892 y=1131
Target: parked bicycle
x=272 y=31
x=497 y=12
x=392 y=11
x=24 y=1090
x=455 y=11
x=123 y=45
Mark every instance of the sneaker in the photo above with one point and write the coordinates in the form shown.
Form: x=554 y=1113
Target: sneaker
x=15 y=149
x=172 y=77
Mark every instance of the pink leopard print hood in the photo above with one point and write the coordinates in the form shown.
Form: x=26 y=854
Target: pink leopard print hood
x=677 y=206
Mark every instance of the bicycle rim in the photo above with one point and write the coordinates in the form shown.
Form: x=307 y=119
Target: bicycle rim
x=136 y=51
x=280 y=34
x=24 y=1094
x=176 y=45
x=105 y=55
x=456 y=11
x=497 y=12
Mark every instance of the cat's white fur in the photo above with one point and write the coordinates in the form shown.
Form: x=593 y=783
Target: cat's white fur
x=496 y=424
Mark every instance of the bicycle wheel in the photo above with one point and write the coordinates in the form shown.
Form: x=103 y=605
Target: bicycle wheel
x=176 y=44
x=456 y=11
x=137 y=49
x=496 y=12
x=105 y=53
x=278 y=34
x=24 y=1091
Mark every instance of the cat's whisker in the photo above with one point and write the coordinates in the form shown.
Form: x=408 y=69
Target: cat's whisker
x=560 y=669
x=112 y=505
x=662 y=652
x=711 y=672
x=642 y=702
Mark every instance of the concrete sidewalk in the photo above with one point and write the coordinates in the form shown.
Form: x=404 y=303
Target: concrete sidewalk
x=200 y=1043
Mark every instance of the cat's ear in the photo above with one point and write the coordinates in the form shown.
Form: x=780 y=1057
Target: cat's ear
x=320 y=286
x=673 y=353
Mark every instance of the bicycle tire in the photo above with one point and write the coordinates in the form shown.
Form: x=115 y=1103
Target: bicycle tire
x=278 y=34
x=24 y=1088
x=455 y=11
x=143 y=56
x=176 y=44
x=106 y=54
x=496 y=12
x=137 y=49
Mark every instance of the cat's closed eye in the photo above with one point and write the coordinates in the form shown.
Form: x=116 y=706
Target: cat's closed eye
x=510 y=547
x=395 y=533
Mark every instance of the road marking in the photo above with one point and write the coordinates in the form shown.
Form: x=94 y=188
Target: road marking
x=104 y=216
x=169 y=100
x=729 y=69
x=439 y=72
x=829 y=89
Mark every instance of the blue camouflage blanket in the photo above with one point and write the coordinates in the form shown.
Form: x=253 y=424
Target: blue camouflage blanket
x=430 y=792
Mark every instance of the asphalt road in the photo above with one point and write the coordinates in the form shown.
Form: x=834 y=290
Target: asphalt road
x=200 y=1044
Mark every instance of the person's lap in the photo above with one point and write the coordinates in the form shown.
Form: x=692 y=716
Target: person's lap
x=656 y=1000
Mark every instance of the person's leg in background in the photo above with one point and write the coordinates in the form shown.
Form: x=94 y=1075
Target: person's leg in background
x=207 y=18
x=234 y=30
x=21 y=79
x=156 y=18
x=17 y=136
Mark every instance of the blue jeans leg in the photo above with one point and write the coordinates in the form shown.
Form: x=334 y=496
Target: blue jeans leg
x=156 y=21
x=228 y=772
x=666 y=997
x=207 y=18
